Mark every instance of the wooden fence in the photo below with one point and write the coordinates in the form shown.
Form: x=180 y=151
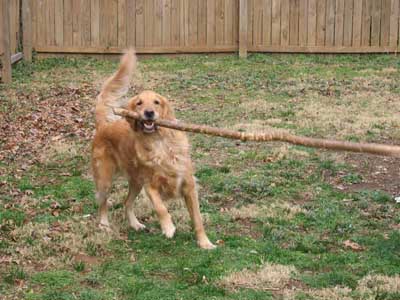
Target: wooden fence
x=174 y=26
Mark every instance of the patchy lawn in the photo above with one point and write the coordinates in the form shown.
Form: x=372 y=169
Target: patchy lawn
x=290 y=222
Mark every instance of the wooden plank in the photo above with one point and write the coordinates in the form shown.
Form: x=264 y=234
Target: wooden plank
x=228 y=13
x=323 y=49
x=250 y=21
x=267 y=22
x=16 y=57
x=339 y=22
x=235 y=22
x=149 y=23
x=27 y=29
x=85 y=22
x=34 y=21
x=41 y=30
x=193 y=29
x=385 y=22
x=122 y=23
x=139 y=50
x=330 y=23
x=294 y=7
x=376 y=22
x=166 y=22
x=157 y=19
x=175 y=17
x=303 y=22
x=257 y=22
x=50 y=22
x=202 y=23
x=184 y=22
x=285 y=22
x=140 y=23
x=321 y=26
x=366 y=23
x=77 y=29
x=12 y=26
x=312 y=23
x=219 y=22
x=243 y=14
x=95 y=22
x=394 y=23
x=68 y=41
x=357 y=23
x=130 y=23
x=276 y=22
x=219 y=49
x=211 y=25
x=348 y=23
x=5 y=25
x=59 y=22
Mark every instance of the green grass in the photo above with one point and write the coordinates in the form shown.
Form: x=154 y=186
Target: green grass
x=48 y=213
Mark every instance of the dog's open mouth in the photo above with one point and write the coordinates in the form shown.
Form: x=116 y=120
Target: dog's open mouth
x=148 y=126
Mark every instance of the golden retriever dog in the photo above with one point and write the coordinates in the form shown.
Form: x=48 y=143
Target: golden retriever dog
x=150 y=157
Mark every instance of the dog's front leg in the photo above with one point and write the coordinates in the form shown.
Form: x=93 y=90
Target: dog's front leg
x=192 y=203
x=167 y=227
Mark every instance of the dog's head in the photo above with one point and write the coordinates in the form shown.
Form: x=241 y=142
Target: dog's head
x=150 y=106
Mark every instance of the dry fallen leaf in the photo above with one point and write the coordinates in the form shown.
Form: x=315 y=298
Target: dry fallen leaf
x=353 y=245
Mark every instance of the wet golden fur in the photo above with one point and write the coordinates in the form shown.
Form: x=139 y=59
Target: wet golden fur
x=158 y=161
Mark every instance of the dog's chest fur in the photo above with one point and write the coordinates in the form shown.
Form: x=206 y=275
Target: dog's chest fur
x=166 y=158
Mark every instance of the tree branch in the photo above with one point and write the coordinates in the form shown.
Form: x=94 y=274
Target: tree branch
x=377 y=149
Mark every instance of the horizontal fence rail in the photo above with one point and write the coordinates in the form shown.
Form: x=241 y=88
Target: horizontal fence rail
x=177 y=26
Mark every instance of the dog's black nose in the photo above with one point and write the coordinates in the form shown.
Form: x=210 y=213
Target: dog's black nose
x=149 y=114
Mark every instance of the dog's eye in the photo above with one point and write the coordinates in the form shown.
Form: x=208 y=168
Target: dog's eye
x=156 y=102
x=139 y=103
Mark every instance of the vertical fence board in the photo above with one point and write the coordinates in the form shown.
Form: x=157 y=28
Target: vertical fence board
x=228 y=35
x=366 y=23
x=357 y=22
x=312 y=23
x=385 y=22
x=193 y=28
x=148 y=23
x=175 y=23
x=202 y=23
x=376 y=22
x=122 y=23
x=95 y=23
x=294 y=22
x=303 y=22
x=339 y=22
x=285 y=15
x=140 y=23
x=26 y=29
x=219 y=22
x=267 y=22
x=131 y=23
x=250 y=21
x=330 y=23
x=211 y=22
x=394 y=23
x=59 y=22
x=276 y=22
x=166 y=22
x=257 y=22
x=348 y=23
x=5 y=41
x=243 y=23
x=77 y=29
x=157 y=19
x=321 y=17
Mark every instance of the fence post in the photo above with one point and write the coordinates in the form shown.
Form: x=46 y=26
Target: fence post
x=243 y=28
x=27 y=30
x=6 y=61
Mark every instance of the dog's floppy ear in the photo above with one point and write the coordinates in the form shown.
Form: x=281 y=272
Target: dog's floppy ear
x=168 y=112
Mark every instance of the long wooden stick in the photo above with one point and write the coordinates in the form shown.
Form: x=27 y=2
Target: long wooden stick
x=377 y=149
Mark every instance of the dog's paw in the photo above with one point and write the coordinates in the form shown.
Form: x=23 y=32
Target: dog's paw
x=138 y=226
x=105 y=227
x=206 y=244
x=168 y=230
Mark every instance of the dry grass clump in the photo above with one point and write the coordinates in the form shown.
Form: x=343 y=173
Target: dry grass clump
x=269 y=277
x=371 y=284
x=253 y=211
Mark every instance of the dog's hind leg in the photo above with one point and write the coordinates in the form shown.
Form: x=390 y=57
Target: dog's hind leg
x=130 y=213
x=103 y=170
x=167 y=227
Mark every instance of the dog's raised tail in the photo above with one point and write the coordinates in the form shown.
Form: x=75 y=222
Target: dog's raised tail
x=115 y=87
